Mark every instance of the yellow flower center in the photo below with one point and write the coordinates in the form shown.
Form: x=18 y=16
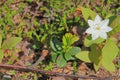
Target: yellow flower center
x=98 y=28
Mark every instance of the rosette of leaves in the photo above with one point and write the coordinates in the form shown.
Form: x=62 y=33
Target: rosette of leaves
x=64 y=51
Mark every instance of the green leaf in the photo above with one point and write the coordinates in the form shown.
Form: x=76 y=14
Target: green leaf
x=115 y=21
x=52 y=45
x=115 y=24
x=0 y=40
x=115 y=30
x=54 y=56
x=35 y=76
x=74 y=50
x=61 y=62
x=88 y=14
x=84 y=56
x=44 y=37
x=97 y=66
x=108 y=66
x=58 y=44
x=95 y=56
x=29 y=1
x=109 y=53
x=1 y=55
x=110 y=50
x=11 y=42
x=55 y=44
x=36 y=23
x=88 y=41
x=68 y=56
x=49 y=67
x=64 y=19
x=68 y=39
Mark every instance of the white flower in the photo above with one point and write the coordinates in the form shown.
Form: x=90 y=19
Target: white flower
x=98 y=28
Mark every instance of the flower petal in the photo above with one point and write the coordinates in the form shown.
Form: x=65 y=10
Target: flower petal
x=97 y=19
x=106 y=29
x=104 y=23
x=91 y=23
x=103 y=35
x=94 y=36
x=89 y=30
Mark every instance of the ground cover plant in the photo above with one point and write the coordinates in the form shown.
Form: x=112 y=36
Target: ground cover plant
x=59 y=39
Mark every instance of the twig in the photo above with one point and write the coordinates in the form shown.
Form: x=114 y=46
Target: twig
x=50 y=73
x=44 y=53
